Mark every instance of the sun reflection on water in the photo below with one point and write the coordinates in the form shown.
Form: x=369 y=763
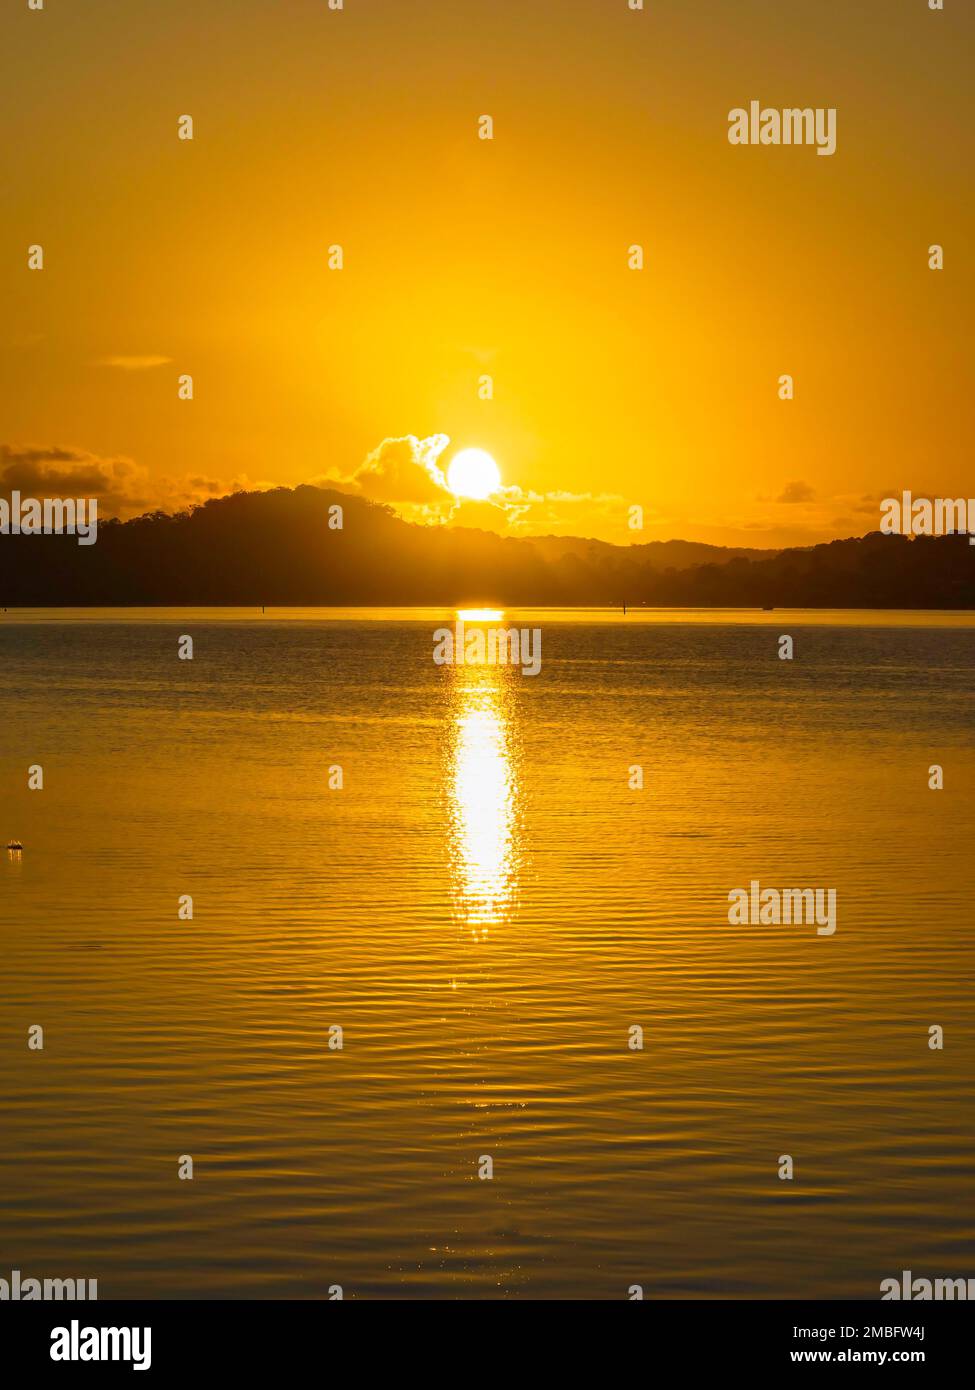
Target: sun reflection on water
x=483 y=794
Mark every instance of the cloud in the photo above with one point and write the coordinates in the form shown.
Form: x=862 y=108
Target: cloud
x=797 y=492
x=563 y=513
x=59 y=472
x=405 y=470
x=123 y=488
x=132 y=364
x=402 y=472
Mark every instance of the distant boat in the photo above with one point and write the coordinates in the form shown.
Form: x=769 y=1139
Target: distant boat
x=769 y=608
x=14 y=844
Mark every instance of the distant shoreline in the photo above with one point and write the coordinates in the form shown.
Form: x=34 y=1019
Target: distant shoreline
x=427 y=613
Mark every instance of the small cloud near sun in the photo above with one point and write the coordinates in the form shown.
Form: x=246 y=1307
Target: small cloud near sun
x=404 y=470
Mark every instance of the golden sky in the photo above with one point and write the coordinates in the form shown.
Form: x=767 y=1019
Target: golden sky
x=507 y=257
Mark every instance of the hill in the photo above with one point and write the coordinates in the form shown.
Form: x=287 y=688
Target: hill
x=276 y=547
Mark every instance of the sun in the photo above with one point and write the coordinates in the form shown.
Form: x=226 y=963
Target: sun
x=473 y=473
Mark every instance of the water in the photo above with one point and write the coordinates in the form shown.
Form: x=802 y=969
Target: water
x=485 y=908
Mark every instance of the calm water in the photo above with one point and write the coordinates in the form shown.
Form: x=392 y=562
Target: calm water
x=485 y=908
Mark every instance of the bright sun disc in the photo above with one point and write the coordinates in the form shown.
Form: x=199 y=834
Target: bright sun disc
x=473 y=473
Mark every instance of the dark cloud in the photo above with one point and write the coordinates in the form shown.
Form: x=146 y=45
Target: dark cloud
x=797 y=492
x=123 y=488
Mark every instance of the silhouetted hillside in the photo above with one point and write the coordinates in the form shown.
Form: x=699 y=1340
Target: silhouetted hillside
x=277 y=548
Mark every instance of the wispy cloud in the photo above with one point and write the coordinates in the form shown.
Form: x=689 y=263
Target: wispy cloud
x=132 y=364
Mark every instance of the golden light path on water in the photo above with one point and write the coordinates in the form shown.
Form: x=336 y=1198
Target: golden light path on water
x=482 y=790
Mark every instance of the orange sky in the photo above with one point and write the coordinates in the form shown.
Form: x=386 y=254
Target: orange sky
x=507 y=257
